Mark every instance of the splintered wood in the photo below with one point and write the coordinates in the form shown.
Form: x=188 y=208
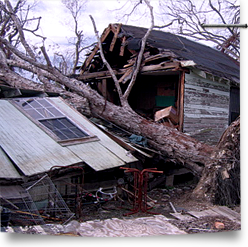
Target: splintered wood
x=168 y=112
x=163 y=60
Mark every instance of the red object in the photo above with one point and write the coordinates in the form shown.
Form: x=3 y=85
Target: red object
x=140 y=189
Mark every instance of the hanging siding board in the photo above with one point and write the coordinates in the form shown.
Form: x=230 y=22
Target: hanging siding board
x=206 y=107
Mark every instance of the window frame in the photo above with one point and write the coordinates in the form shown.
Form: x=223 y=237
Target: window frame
x=67 y=142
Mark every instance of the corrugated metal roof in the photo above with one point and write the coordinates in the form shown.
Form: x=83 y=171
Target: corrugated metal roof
x=96 y=155
x=12 y=192
x=34 y=151
x=82 y=121
x=7 y=168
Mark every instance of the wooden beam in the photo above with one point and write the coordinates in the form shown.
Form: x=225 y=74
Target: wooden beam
x=161 y=66
x=88 y=60
x=149 y=68
x=112 y=45
x=181 y=100
x=123 y=45
x=104 y=88
x=126 y=75
x=168 y=112
x=99 y=74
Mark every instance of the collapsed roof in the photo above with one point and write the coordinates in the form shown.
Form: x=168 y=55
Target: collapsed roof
x=205 y=58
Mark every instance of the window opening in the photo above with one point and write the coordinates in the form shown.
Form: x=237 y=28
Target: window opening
x=63 y=128
x=51 y=118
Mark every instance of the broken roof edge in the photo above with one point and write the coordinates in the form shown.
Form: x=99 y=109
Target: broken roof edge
x=218 y=77
x=8 y=91
x=183 y=50
x=213 y=61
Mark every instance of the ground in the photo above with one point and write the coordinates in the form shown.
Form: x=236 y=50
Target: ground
x=159 y=199
x=115 y=218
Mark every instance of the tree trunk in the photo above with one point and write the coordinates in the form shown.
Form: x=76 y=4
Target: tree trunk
x=220 y=181
x=216 y=166
x=170 y=142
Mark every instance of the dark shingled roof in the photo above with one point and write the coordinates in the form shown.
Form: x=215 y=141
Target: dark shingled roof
x=206 y=58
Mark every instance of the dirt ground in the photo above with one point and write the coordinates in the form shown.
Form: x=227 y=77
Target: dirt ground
x=159 y=202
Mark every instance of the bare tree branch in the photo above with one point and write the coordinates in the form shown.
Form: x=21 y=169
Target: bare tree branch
x=43 y=49
x=20 y=29
x=123 y=98
x=141 y=52
x=191 y=14
x=75 y=8
x=117 y=85
x=28 y=49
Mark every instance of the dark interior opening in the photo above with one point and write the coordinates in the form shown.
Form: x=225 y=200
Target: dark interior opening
x=152 y=93
x=184 y=179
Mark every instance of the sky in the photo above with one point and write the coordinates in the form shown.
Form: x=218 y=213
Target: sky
x=55 y=18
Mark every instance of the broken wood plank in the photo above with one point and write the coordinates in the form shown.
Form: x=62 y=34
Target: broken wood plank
x=153 y=57
x=198 y=214
x=93 y=53
x=88 y=60
x=116 y=32
x=230 y=212
x=123 y=45
x=168 y=112
x=126 y=76
x=131 y=62
x=99 y=74
x=217 y=211
x=225 y=211
x=158 y=56
x=161 y=66
x=173 y=208
x=181 y=101
x=180 y=216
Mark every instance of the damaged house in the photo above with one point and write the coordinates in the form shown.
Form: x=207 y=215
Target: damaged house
x=182 y=84
x=42 y=138
x=46 y=146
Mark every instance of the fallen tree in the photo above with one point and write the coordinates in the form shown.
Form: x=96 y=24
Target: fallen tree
x=174 y=145
x=220 y=181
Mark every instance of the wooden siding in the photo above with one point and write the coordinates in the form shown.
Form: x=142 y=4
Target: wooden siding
x=206 y=108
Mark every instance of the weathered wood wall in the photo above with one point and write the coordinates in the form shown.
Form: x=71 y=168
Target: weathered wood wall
x=206 y=108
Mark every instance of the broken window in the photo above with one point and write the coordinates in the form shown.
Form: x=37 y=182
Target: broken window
x=63 y=128
x=51 y=118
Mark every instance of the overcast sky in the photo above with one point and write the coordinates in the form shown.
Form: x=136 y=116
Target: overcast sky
x=55 y=18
